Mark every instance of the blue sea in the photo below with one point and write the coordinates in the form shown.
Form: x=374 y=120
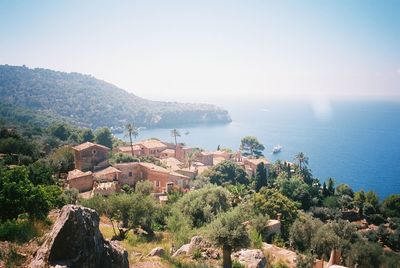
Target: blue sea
x=354 y=142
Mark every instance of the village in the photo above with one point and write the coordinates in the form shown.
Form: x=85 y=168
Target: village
x=93 y=173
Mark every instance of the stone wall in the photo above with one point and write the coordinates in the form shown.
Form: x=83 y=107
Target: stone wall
x=87 y=159
x=82 y=184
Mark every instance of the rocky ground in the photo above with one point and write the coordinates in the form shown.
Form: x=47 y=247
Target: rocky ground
x=78 y=238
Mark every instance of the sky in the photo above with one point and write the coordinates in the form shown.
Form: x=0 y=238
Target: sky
x=208 y=50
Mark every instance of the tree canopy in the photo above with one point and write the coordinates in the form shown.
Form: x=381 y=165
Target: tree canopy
x=261 y=176
x=227 y=172
x=103 y=136
x=228 y=232
x=251 y=146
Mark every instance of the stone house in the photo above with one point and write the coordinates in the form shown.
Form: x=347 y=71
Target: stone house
x=167 y=153
x=191 y=173
x=107 y=175
x=223 y=154
x=137 y=151
x=182 y=152
x=82 y=181
x=90 y=156
x=152 y=147
x=206 y=158
x=250 y=165
x=179 y=180
x=161 y=178
x=130 y=173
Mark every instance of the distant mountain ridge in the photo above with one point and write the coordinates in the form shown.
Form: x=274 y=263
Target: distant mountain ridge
x=91 y=102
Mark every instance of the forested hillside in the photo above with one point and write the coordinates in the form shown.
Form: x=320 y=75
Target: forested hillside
x=90 y=102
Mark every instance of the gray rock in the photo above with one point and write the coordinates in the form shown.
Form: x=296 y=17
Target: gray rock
x=156 y=252
x=250 y=258
x=197 y=242
x=76 y=241
x=183 y=250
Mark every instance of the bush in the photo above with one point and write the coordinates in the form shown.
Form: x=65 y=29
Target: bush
x=237 y=264
x=69 y=196
x=180 y=227
x=17 y=231
x=305 y=261
x=197 y=254
x=144 y=187
x=365 y=254
x=325 y=214
x=201 y=206
x=255 y=238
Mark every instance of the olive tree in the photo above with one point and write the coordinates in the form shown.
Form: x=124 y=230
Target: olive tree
x=228 y=232
x=201 y=206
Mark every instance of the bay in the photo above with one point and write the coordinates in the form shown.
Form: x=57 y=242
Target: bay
x=354 y=142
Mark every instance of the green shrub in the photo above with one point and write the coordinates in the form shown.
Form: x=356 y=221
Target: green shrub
x=237 y=264
x=180 y=228
x=255 y=238
x=17 y=231
x=278 y=241
x=197 y=254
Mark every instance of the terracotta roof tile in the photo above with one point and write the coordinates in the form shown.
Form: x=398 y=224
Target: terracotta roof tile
x=76 y=173
x=87 y=145
x=151 y=144
x=106 y=171
x=127 y=149
x=154 y=167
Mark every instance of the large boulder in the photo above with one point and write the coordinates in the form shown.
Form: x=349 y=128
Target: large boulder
x=199 y=243
x=76 y=241
x=250 y=258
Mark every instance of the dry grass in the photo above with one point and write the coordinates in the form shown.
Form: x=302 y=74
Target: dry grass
x=138 y=249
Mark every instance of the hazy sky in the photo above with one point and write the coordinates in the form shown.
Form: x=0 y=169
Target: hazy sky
x=188 y=50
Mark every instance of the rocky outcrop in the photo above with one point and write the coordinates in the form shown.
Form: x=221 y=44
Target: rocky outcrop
x=76 y=241
x=205 y=247
x=156 y=252
x=250 y=258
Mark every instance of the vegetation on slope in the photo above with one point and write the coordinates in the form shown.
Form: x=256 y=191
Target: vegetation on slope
x=95 y=103
x=314 y=215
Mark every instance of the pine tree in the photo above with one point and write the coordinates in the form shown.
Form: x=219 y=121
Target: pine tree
x=261 y=176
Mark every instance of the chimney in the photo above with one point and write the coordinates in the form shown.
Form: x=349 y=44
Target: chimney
x=279 y=216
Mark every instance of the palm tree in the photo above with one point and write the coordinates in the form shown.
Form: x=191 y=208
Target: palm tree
x=302 y=159
x=191 y=157
x=175 y=133
x=131 y=130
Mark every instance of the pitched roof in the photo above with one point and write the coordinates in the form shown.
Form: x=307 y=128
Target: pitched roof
x=128 y=149
x=176 y=174
x=151 y=144
x=106 y=171
x=154 y=167
x=88 y=145
x=168 y=151
x=76 y=173
x=258 y=161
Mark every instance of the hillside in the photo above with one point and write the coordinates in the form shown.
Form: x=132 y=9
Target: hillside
x=88 y=101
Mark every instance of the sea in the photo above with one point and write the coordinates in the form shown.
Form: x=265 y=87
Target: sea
x=353 y=142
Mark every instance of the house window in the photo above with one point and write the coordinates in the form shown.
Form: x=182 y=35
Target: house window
x=94 y=151
x=130 y=174
x=157 y=183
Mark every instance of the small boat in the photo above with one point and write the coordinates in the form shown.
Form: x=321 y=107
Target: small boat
x=277 y=149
